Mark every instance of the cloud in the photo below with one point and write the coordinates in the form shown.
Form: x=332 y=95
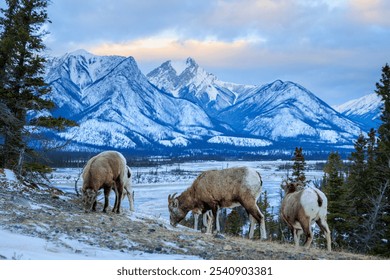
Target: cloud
x=249 y=39
x=170 y=45
x=374 y=12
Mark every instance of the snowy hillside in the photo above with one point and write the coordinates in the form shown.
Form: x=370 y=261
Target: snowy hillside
x=365 y=110
x=181 y=106
x=285 y=110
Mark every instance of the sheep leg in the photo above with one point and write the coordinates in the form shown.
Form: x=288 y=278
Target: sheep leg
x=308 y=232
x=207 y=216
x=325 y=228
x=252 y=226
x=210 y=225
x=297 y=232
x=119 y=196
x=254 y=211
x=196 y=219
x=106 y=196
x=210 y=222
x=130 y=198
x=116 y=199
x=217 y=221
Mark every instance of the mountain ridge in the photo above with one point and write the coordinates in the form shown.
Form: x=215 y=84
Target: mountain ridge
x=119 y=107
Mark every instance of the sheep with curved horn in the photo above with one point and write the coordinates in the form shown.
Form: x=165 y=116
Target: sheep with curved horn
x=216 y=189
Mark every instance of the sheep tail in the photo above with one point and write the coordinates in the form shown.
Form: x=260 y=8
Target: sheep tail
x=319 y=199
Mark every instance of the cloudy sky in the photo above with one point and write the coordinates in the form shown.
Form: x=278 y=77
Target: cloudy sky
x=334 y=48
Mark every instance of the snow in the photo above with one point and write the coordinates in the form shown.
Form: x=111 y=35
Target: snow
x=10 y=176
x=360 y=106
x=179 y=142
x=21 y=247
x=239 y=141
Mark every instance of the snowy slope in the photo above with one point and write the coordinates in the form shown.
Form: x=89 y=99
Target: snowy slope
x=285 y=110
x=365 y=110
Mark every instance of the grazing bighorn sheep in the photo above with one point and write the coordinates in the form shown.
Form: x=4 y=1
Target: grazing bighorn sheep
x=216 y=189
x=106 y=170
x=301 y=208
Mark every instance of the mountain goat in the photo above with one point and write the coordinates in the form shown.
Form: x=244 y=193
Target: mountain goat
x=216 y=189
x=106 y=170
x=301 y=208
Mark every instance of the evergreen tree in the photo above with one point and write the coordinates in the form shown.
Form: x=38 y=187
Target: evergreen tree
x=357 y=176
x=272 y=221
x=383 y=90
x=368 y=183
x=21 y=76
x=299 y=166
x=383 y=165
x=234 y=223
x=333 y=187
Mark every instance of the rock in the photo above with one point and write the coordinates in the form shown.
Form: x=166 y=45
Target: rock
x=219 y=236
x=227 y=248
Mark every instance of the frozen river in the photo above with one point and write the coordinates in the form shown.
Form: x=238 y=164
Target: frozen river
x=152 y=185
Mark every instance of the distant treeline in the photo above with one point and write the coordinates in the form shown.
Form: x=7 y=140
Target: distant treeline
x=79 y=159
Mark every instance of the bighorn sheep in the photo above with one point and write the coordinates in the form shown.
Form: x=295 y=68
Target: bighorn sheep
x=301 y=208
x=106 y=170
x=216 y=189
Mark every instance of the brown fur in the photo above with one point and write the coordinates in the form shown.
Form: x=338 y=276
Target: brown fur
x=216 y=189
x=105 y=171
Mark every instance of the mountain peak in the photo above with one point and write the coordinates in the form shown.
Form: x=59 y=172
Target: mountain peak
x=191 y=62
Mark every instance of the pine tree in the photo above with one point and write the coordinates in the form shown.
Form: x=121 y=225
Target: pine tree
x=383 y=165
x=22 y=86
x=383 y=90
x=299 y=166
x=358 y=175
x=333 y=187
x=271 y=220
x=369 y=183
x=234 y=223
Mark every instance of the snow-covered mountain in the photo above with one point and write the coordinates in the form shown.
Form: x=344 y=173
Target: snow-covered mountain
x=285 y=110
x=189 y=81
x=181 y=106
x=365 y=110
x=117 y=107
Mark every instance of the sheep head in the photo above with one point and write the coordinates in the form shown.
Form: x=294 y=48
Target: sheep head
x=290 y=186
x=176 y=214
x=89 y=198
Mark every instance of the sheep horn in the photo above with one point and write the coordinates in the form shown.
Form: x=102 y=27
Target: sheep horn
x=170 y=197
